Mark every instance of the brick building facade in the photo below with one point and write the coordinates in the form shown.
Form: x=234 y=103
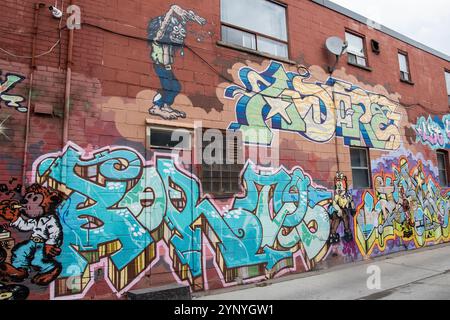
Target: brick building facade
x=84 y=128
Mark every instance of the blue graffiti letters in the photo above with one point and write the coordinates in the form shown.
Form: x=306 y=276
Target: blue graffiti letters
x=278 y=100
x=119 y=207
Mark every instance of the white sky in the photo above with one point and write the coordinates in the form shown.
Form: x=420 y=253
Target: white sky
x=425 y=21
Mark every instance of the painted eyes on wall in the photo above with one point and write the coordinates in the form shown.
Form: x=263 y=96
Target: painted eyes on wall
x=179 y=30
x=35 y=198
x=30 y=196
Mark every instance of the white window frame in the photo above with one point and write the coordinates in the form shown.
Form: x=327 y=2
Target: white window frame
x=447 y=83
x=357 y=55
x=405 y=75
x=256 y=35
x=369 y=178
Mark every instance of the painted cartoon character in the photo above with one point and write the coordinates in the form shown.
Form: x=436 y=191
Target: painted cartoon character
x=35 y=213
x=418 y=181
x=342 y=208
x=405 y=207
x=11 y=190
x=166 y=34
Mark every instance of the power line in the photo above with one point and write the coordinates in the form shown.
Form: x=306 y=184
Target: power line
x=31 y=57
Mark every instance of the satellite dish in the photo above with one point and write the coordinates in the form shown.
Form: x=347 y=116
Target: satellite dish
x=336 y=46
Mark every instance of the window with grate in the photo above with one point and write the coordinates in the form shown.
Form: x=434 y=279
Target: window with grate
x=222 y=163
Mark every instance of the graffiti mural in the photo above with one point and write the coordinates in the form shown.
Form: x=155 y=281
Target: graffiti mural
x=11 y=100
x=274 y=99
x=342 y=209
x=4 y=128
x=407 y=204
x=35 y=213
x=433 y=132
x=119 y=207
x=8 y=291
x=166 y=35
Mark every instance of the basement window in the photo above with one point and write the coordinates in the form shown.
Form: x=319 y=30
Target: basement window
x=163 y=138
x=259 y=25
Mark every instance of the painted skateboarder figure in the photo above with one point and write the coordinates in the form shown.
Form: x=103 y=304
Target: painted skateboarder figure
x=166 y=36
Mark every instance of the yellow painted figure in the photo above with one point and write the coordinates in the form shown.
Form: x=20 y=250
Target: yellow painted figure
x=342 y=208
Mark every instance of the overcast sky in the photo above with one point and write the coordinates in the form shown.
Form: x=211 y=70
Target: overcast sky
x=425 y=21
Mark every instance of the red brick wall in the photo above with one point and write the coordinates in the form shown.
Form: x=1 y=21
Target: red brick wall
x=113 y=81
x=121 y=66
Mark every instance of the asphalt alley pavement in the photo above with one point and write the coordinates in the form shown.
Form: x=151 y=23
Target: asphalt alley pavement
x=414 y=275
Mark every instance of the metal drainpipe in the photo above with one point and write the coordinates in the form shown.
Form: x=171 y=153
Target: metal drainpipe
x=37 y=6
x=336 y=140
x=68 y=87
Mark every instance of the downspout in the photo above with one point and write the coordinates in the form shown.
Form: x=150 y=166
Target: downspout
x=37 y=6
x=68 y=87
x=336 y=142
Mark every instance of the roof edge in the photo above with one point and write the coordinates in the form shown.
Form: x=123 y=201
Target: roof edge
x=360 y=18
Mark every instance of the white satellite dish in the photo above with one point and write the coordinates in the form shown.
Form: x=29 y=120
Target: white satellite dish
x=336 y=45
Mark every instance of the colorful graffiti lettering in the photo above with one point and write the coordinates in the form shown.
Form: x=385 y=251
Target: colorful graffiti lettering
x=293 y=102
x=118 y=207
x=433 y=132
x=11 y=100
x=166 y=35
x=408 y=204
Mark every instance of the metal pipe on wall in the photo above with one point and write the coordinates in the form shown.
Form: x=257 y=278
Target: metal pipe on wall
x=68 y=86
x=37 y=7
